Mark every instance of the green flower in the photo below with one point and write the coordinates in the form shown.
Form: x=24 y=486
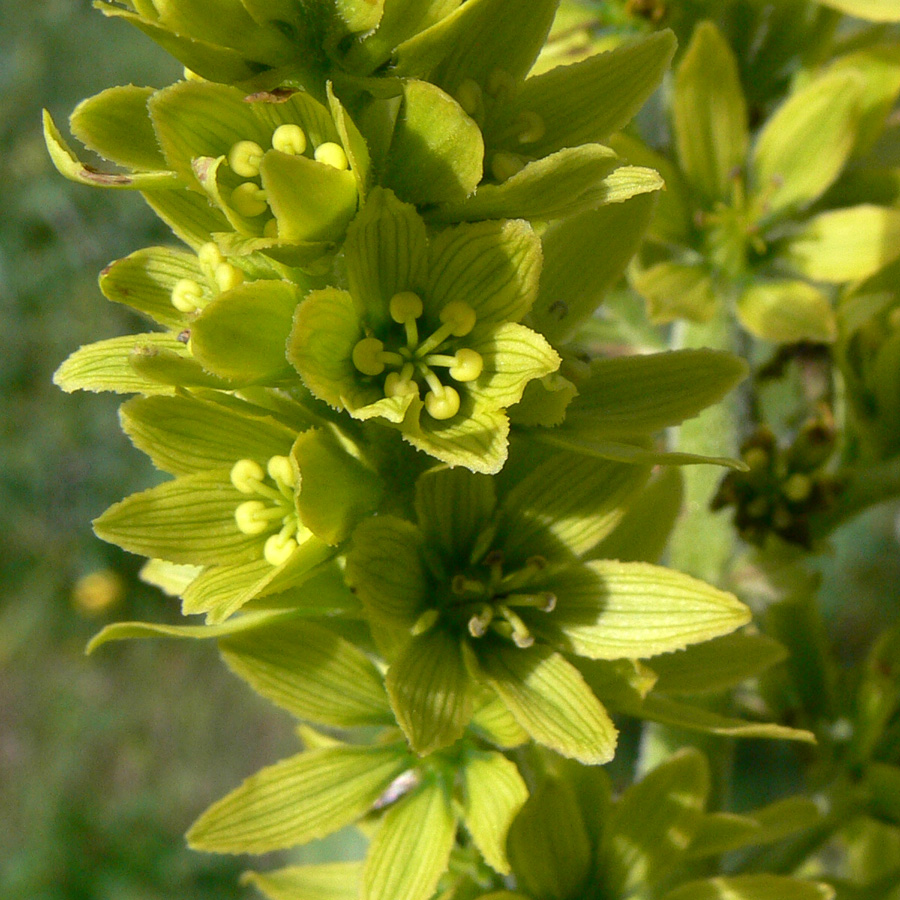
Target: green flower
x=427 y=338
x=235 y=511
x=496 y=593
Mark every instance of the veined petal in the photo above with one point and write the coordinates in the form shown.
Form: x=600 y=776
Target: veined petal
x=322 y=881
x=787 y=311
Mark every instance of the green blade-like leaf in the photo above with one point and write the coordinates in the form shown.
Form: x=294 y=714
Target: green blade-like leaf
x=614 y=610
x=325 y=881
x=653 y=823
x=184 y=434
x=311 y=672
x=493 y=793
x=188 y=520
x=307 y=796
x=846 y=244
x=752 y=887
x=411 y=849
x=716 y=665
x=430 y=691
x=551 y=700
x=787 y=311
x=548 y=843
x=710 y=113
x=630 y=395
x=805 y=144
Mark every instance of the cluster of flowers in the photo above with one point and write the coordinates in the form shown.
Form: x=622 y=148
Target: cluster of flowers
x=398 y=479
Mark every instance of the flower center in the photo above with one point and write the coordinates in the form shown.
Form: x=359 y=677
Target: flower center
x=411 y=365
x=273 y=512
x=249 y=199
x=190 y=296
x=492 y=601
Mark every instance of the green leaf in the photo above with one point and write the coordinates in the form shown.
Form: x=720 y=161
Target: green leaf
x=386 y=253
x=106 y=366
x=653 y=823
x=675 y=291
x=805 y=144
x=716 y=665
x=242 y=334
x=873 y=10
x=189 y=214
x=307 y=796
x=175 y=366
x=846 y=244
x=184 y=434
x=188 y=520
x=493 y=792
x=145 y=281
x=562 y=184
x=544 y=402
x=710 y=113
x=474 y=41
x=751 y=887
x=171 y=578
x=437 y=151
x=311 y=201
x=587 y=101
x=70 y=166
x=787 y=311
x=116 y=124
x=411 y=848
x=385 y=569
x=643 y=532
x=453 y=506
x=548 y=843
x=551 y=700
x=325 y=881
x=632 y=395
x=566 y=505
x=430 y=691
x=495 y=266
x=614 y=610
x=584 y=256
x=311 y=672
x=128 y=631
x=353 y=143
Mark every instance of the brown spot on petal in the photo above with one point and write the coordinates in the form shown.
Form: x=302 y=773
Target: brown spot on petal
x=276 y=95
x=92 y=174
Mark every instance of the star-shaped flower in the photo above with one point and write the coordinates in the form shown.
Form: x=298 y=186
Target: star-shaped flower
x=427 y=337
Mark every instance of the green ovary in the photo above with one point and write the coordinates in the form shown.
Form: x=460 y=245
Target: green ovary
x=273 y=512
x=412 y=364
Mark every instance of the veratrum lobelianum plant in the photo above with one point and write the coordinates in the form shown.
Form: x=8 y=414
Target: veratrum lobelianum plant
x=418 y=505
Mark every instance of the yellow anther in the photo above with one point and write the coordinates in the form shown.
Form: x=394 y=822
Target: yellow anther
x=405 y=306
x=270 y=229
x=290 y=139
x=395 y=385
x=244 y=158
x=246 y=475
x=442 y=405
x=279 y=548
x=478 y=624
x=187 y=295
x=469 y=97
x=332 y=154
x=504 y=165
x=209 y=256
x=756 y=458
x=469 y=365
x=251 y=517
x=228 y=276
x=249 y=200
x=531 y=127
x=367 y=356
x=281 y=471
x=501 y=85
x=521 y=636
x=459 y=316
x=798 y=487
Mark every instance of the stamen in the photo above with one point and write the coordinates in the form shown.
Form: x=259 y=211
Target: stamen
x=187 y=295
x=480 y=622
x=282 y=473
x=254 y=517
x=209 y=256
x=798 y=487
x=531 y=127
x=501 y=85
x=468 y=366
x=290 y=139
x=244 y=158
x=521 y=636
x=279 y=548
x=544 y=601
x=443 y=405
x=247 y=475
x=505 y=164
x=249 y=200
x=367 y=356
x=460 y=316
x=400 y=384
x=332 y=154
x=467 y=587
x=228 y=276
x=469 y=97
x=270 y=230
x=405 y=308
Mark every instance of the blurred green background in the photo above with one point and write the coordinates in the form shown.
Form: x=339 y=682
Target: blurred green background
x=105 y=761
